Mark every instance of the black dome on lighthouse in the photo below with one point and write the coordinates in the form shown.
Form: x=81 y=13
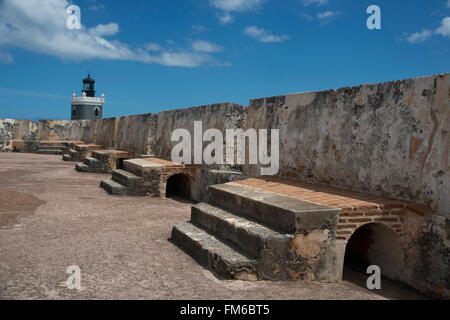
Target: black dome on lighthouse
x=88 y=79
x=88 y=86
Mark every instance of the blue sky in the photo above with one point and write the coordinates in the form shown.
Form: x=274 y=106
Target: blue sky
x=149 y=56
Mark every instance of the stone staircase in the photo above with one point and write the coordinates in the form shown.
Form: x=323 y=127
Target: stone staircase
x=143 y=177
x=51 y=147
x=125 y=183
x=78 y=152
x=103 y=161
x=248 y=234
x=138 y=177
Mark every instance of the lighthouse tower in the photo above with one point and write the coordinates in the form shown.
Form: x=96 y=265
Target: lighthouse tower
x=87 y=107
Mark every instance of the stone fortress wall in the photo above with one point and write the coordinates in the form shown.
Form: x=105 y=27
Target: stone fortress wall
x=19 y=135
x=389 y=139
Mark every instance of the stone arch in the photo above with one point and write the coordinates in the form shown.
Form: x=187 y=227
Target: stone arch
x=97 y=111
x=179 y=185
x=166 y=177
x=375 y=243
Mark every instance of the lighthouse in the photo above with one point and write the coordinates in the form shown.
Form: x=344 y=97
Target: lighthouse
x=87 y=107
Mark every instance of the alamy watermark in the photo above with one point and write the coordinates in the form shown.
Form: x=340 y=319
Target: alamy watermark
x=374 y=21
x=73 y=21
x=374 y=281
x=235 y=147
x=74 y=280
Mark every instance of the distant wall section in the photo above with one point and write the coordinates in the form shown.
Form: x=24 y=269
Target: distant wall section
x=14 y=131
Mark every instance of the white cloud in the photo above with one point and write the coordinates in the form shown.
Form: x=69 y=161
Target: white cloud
x=327 y=15
x=307 y=3
x=236 y=5
x=96 y=7
x=181 y=59
x=105 y=29
x=225 y=18
x=419 y=36
x=153 y=47
x=263 y=35
x=307 y=16
x=40 y=26
x=426 y=34
x=227 y=7
x=205 y=46
x=198 y=29
x=444 y=29
x=6 y=58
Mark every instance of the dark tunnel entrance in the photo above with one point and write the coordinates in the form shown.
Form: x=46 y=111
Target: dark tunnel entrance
x=376 y=244
x=179 y=186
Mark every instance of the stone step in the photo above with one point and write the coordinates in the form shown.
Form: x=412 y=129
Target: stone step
x=75 y=155
x=57 y=148
x=126 y=178
x=92 y=162
x=52 y=144
x=114 y=188
x=67 y=157
x=140 y=166
x=249 y=236
x=49 y=151
x=281 y=213
x=213 y=253
x=82 y=167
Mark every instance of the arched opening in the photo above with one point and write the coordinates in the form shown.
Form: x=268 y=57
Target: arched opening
x=375 y=244
x=97 y=111
x=179 y=186
x=74 y=111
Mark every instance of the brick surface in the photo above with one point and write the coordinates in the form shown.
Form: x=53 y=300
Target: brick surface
x=357 y=209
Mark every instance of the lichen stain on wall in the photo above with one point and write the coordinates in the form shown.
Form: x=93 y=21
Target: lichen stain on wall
x=389 y=139
x=310 y=245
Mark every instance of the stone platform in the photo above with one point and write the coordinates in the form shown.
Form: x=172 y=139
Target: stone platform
x=278 y=229
x=146 y=177
x=54 y=147
x=60 y=217
x=104 y=161
x=78 y=152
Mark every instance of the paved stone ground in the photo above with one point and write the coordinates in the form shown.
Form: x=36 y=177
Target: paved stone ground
x=52 y=217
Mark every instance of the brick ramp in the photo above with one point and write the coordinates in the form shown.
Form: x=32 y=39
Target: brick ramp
x=290 y=229
x=144 y=177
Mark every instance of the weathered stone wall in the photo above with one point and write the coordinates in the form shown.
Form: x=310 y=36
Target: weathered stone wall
x=130 y=133
x=216 y=116
x=137 y=133
x=104 y=133
x=206 y=177
x=11 y=129
x=426 y=250
x=390 y=138
x=74 y=130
